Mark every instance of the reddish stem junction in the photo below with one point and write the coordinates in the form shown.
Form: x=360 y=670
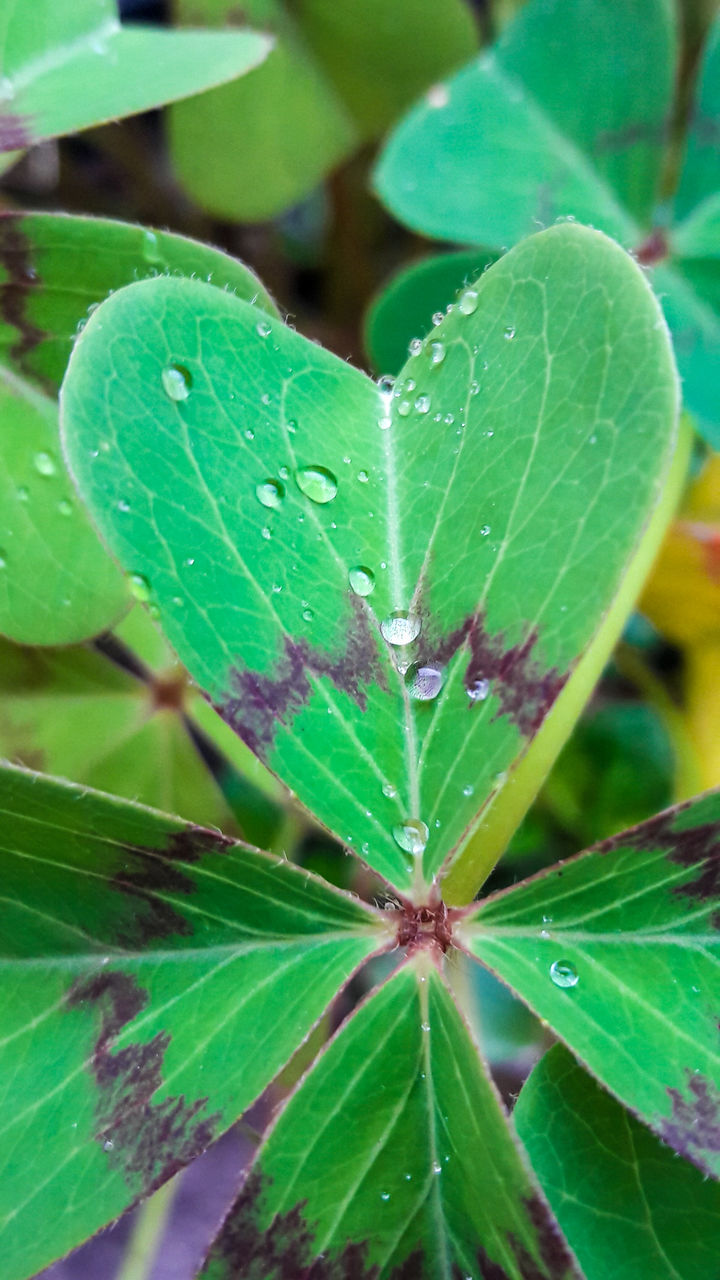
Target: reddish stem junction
x=428 y=927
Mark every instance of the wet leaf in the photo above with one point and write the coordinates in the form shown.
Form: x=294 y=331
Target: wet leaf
x=618 y=949
x=337 y=76
x=414 y=1171
x=57 y=584
x=155 y=977
x=352 y=576
x=627 y=1205
x=74 y=66
x=567 y=116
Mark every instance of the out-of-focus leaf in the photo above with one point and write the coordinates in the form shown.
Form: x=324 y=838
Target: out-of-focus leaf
x=70 y=64
x=412 y=1172
x=155 y=977
x=338 y=75
x=628 y=1206
x=57 y=584
x=699 y=178
x=307 y=538
x=618 y=949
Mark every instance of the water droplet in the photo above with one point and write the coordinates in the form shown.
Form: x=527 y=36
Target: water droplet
x=291 y=426
x=423 y=683
x=468 y=790
x=263 y=329
x=3 y=560
x=308 y=615
x=23 y=493
x=404 y=408
x=266 y=533
x=438 y=318
x=437 y=352
x=386 y=384
x=408 y=1177
x=415 y=346
x=123 y=505
x=317 y=483
x=108 y=1144
x=509 y=332
x=422 y=404
x=424 y=1026
x=363 y=477
x=270 y=493
x=563 y=973
x=385 y=423
x=362 y=580
x=485 y=531
x=44 y=464
x=400 y=627
x=177 y=381
x=449 y=419
x=478 y=690
x=437 y=1167
x=384 y=1195
x=65 y=507
x=411 y=835
x=437 y=96
x=389 y=790
x=151 y=248
x=139 y=586
x=468 y=302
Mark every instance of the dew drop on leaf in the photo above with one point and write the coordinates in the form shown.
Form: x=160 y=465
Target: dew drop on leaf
x=510 y=332
x=263 y=329
x=65 y=507
x=400 y=627
x=44 y=464
x=177 y=381
x=108 y=1144
x=404 y=408
x=362 y=580
x=415 y=346
x=389 y=790
x=422 y=404
x=437 y=352
x=468 y=302
x=384 y=1195
x=437 y=1167
x=563 y=973
x=478 y=690
x=363 y=477
x=308 y=615
x=23 y=493
x=423 y=683
x=317 y=483
x=386 y=384
x=270 y=493
x=411 y=836
x=139 y=587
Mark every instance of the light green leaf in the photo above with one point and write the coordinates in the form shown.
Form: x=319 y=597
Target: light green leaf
x=627 y=1205
x=413 y=1171
x=154 y=978
x=404 y=310
x=337 y=76
x=499 y=523
x=74 y=66
x=57 y=584
x=619 y=951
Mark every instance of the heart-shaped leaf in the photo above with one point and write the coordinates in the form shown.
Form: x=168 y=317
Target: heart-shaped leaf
x=74 y=66
x=598 y=1166
x=57 y=584
x=413 y=1172
x=618 y=950
x=337 y=75
x=384 y=595
x=154 y=978
x=568 y=116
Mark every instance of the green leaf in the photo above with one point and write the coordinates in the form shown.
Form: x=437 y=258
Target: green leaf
x=405 y=307
x=618 y=950
x=155 y=977
x=412 y=1169
x=74 y=66
x=544 y=124
x=699 y=177
x=336 y=77
x=627 y=1205
x=57 y=584
x=483 y=517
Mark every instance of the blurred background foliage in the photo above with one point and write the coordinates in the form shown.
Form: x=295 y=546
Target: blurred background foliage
x=275 y=170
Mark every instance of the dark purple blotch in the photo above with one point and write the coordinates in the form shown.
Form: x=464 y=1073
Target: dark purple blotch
x=697 y=846
x=693 y=1128
x=146 y=1141
x=554 y=1261
x=15 y=133
x=17 y=288
x=260 y=703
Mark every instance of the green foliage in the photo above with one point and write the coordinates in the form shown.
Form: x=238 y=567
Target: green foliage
x=568 y=116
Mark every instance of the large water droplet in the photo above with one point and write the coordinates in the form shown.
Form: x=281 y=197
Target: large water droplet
x=422 y=404
x=468 y=302
x=411 y=835
x=177 y=381
x=400 y=627
x=317 y=483
x=362 y=580
x=263 y=329
x=270 y=493
x=389 y=790
x=44 y=463
x=139 y=587
x=423 y=683
x=563 y=973
x=437 y=352
x=478 y=690
x=415 y=346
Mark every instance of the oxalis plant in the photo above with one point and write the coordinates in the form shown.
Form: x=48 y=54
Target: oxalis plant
x=399 y=596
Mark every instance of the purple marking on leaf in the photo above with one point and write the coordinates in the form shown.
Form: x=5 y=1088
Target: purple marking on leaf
x=260 y=703
x=524 y=686
x=15 y=133
x=693 y=1129
x=554 y=1262
x=697 y=846
x=147 y=874
x=15 y=291
x=631 y=134
x=147 y=1141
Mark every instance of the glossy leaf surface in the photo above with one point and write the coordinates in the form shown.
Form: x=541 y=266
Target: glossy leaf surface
x=477 y=503
x=155 y=977
x=411 y=1170
x=338 y=75
x=74 y=66
x=619 y=951
x=57 y=584
x=627 y=1205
